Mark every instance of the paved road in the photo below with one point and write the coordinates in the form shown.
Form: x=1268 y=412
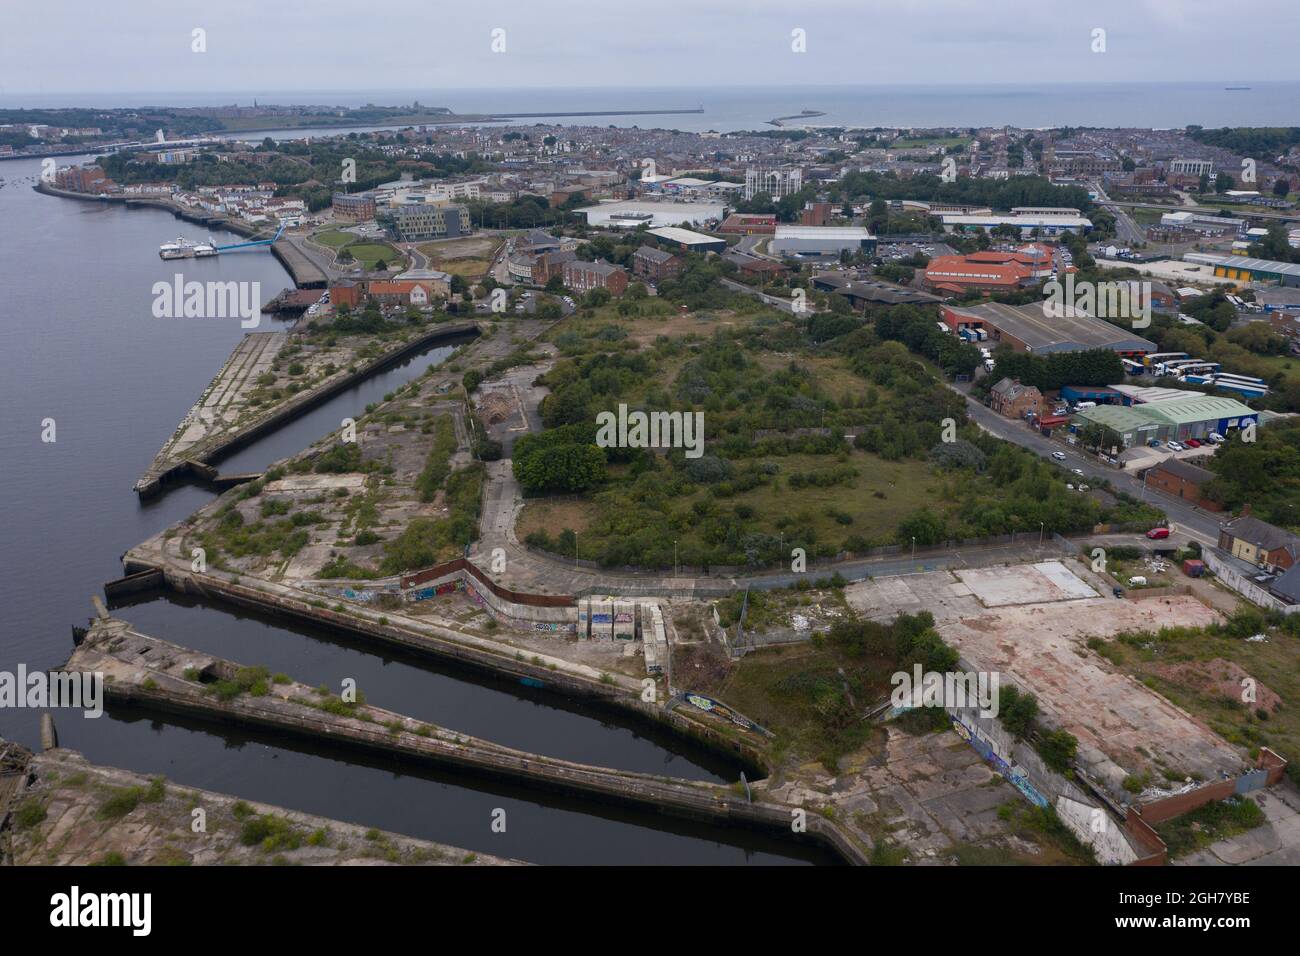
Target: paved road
x=1126 y=229
x=1198 y=524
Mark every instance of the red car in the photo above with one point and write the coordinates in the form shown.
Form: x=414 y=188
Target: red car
x=1193 y=443
x=1158 y=533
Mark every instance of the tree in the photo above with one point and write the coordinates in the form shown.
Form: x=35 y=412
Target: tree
x=1058 y=749
x=922 y=526
x=1223 y=182
x=568 y=467
x=1016 y=710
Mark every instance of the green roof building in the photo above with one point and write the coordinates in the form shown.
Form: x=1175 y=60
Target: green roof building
x=1178 y=418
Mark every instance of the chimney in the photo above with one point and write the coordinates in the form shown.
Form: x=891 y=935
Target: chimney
x=1245 y=509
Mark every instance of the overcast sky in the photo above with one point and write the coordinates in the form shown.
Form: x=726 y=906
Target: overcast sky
x=62 y=46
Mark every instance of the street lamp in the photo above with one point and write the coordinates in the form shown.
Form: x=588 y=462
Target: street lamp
x=1042 y=528
x=913 y=547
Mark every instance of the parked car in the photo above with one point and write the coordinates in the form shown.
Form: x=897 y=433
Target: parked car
x=1214 y=438
x=1176 y=446
x=1193 y=443
x=1059 y=455
x=1154 y=443
x=1156 y=534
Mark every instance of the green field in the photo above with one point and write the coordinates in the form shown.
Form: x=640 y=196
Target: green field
x=369 y=254
x=334 y=238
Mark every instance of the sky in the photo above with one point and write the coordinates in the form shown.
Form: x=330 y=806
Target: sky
x=141 y=46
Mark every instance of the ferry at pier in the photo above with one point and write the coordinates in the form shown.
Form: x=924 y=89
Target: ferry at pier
x=186 y=249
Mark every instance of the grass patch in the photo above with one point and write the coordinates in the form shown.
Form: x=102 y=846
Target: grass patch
x=1208 y=824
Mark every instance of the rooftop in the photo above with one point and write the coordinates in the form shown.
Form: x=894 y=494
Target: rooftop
x=822 y=232
x=1043 y=333
x=684 y=236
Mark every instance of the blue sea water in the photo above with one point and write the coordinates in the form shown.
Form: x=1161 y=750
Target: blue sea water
x=727 y=109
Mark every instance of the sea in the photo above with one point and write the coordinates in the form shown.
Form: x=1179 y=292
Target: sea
x=735 y=108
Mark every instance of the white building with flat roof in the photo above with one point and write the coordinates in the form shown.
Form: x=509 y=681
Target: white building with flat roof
x=821 y=240
x=1051 y=224
x=631 y=213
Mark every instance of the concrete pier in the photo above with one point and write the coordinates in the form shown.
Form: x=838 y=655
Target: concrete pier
x=222 y=421
x=77 y=813
x=145 y=671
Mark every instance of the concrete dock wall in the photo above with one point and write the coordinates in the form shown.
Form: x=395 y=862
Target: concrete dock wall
x=145 y=671
x=500 y=664
x=199 y=462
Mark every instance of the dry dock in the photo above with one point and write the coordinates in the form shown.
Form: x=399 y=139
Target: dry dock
x=145 y=671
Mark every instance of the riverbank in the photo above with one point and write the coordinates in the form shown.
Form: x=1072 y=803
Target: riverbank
x=305 y=273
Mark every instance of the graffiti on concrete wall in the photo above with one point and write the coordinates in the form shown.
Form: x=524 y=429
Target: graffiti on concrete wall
x=718 y=708
x=446 y=587
x=1014 y=774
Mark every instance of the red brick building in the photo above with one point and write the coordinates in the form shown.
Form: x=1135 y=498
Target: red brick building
x=551 y=264
x=655 y=265
x=749 y=224
x=1013 y=400
x=83 y=179
x=1182 y=480
x=584 y=276
x=347 y=293
x=816 y=214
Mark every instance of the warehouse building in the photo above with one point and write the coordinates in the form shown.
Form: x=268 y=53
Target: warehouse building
x=989 y=271
x=634 y=213
x=1246 y=269
x=1026 y=328
x=1050 y=223
x=1175 y=419
x=822 y=240
x=689 y=241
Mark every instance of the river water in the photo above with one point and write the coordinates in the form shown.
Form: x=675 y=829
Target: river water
x=79 y=346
